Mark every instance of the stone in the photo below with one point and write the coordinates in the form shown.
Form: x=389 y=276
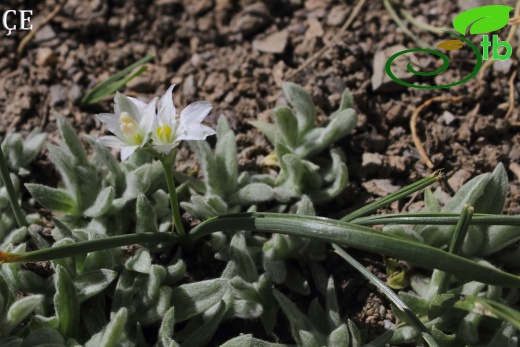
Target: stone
x=515 y=168
x=457 y=180
x=447 y=118
x=45 y=57
x=274 y=43
x=314 y=30
x=58 y=94
x=251 y=19
x=380 y=79
x=371 y=162
x=380 y=187
x=337 y=16
x=45 y=34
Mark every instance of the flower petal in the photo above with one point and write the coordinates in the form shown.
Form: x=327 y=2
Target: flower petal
x=166 y=110
x=112 y=123
x=112 y=141
x=194 y=113
x=166 y=149
x=127 y=151
x=131 y=105
x=148 y=119
x=195 y=132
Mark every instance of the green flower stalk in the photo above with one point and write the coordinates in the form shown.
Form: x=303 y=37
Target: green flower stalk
x=86 y=247
x=136 y=125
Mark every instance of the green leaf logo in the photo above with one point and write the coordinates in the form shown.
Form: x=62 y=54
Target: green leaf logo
x=482 y=19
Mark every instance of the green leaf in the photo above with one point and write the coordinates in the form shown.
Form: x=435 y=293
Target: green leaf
x=361 y=237
x=115 y=82
x=141 y=262
x=319 y=139
x=250 y=341
x=110 y=335
x=307 y=339
x=302 y=102
x=287 y=125
x=205 y=332
x=166 y=329
x=483 y=19
x=65 y=165
x=103 y=157
x=102 y=204
x=268 y=129
x=332 y=305
x=66 y=303
x=21 y=309
x=72 y=142
x=481 y=306
x=240 y=254
x=51 y=198
x=347 y=101
x=146 y=221
x=339 y=337
x=91 y=283
x=192 y=299
x=493 y=198
x=208 y=166
x=200 y=207
x=255 y=193
x=44 y=337
x=33 y=145
x=298 y=321
x=340 y=174
x=226 y=157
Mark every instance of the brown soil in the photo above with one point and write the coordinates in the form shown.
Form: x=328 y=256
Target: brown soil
x=214 y=50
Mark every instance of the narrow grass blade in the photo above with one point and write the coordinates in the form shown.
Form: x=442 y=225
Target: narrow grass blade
x=86 y=247
x=412 y=318
x=437 y=219
x=481 y=306
x=361 y=237
x=115 y=82
x=459 y=233
x=397 y=195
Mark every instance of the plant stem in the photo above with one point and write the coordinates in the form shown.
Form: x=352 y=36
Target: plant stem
x=407 y=312
x=4 y=173
x=459 y=233
x=167 y=163
x=437 y=219
x=397 y=195
x=86 y=247
x=370 y=240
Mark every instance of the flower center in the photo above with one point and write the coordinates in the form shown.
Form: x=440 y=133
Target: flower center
x=164 y=133
x=130 y=129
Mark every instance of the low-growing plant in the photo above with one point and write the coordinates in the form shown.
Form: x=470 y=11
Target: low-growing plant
x=122 y=258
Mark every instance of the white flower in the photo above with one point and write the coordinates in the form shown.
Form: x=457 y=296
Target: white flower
x=131 y=123
x=169 y=128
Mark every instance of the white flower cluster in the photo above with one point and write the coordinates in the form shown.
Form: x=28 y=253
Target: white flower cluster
x=135 y=123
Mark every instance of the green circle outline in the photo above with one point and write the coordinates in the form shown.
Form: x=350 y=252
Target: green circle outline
x=444 y=67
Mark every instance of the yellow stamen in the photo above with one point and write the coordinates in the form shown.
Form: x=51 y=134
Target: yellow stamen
x=130 y=129
x=164 y=132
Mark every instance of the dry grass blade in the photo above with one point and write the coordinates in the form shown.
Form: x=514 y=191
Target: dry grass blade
x=413 y=124
x=511 y=96
x=329 y=44
x=32 y=33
